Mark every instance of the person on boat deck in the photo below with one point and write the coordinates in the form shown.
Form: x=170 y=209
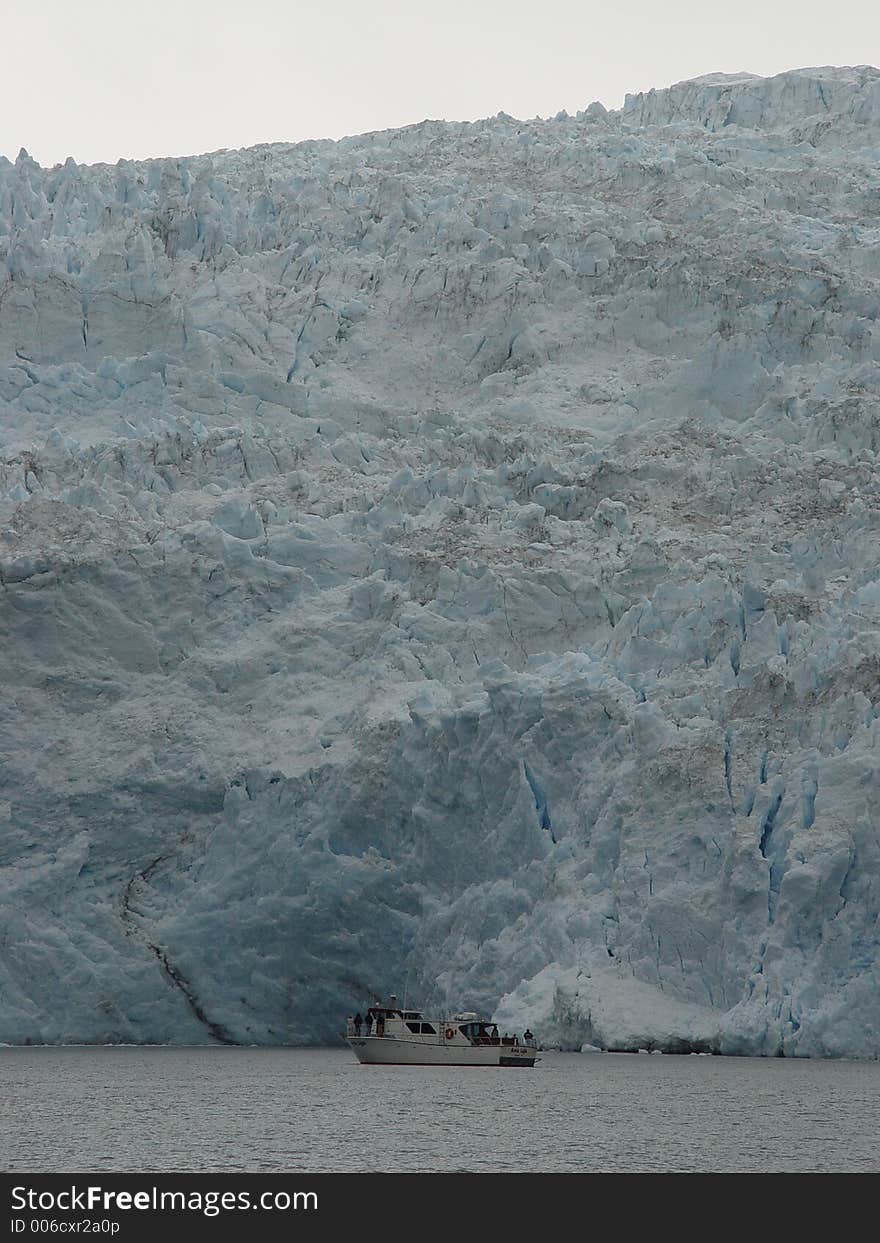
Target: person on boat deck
x=528 y=1037
x=357 y=1023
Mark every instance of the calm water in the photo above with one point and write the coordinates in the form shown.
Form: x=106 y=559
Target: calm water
x=315 y=1110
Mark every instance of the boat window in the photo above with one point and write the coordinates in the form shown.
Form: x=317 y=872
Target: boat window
x=428 y=1029
x=415 y=1027
x=480 y=1033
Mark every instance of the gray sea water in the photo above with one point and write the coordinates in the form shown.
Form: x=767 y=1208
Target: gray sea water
x=139 y=1109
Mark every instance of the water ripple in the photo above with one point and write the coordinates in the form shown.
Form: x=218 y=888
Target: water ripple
x=314 y=1110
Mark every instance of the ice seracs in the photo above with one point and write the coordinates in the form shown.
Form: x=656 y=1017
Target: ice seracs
x=449 y=554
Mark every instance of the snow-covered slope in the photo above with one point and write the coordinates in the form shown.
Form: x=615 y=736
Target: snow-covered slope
x=447 y=560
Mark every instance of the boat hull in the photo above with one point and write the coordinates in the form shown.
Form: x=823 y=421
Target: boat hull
x=389 y=1051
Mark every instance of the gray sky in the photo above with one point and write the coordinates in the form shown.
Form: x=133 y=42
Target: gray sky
x=100 y=79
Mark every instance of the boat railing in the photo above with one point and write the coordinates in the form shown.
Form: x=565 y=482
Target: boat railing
x=364 y=1029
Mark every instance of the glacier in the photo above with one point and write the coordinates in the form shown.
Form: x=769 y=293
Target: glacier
x=447 y=560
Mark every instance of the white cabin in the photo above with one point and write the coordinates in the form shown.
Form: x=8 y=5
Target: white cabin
x=391 y=1034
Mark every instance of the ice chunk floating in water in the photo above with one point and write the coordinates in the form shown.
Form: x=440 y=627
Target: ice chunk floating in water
x=450 y=555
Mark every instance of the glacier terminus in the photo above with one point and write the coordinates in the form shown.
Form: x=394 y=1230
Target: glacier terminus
x=449 y=559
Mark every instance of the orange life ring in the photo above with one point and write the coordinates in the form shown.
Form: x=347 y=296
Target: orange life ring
x=449 y=1033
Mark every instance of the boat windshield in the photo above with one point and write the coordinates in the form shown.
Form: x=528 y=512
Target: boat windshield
x=480 y=1033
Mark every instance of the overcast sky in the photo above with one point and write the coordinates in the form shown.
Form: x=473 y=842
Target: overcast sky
x=100 y=79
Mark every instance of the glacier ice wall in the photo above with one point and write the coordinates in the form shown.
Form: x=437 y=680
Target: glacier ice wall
x=447 y=560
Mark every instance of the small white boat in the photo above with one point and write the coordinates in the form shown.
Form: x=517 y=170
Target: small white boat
x=393 y=1036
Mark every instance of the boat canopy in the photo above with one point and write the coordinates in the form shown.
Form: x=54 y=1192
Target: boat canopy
x=391 y=1012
